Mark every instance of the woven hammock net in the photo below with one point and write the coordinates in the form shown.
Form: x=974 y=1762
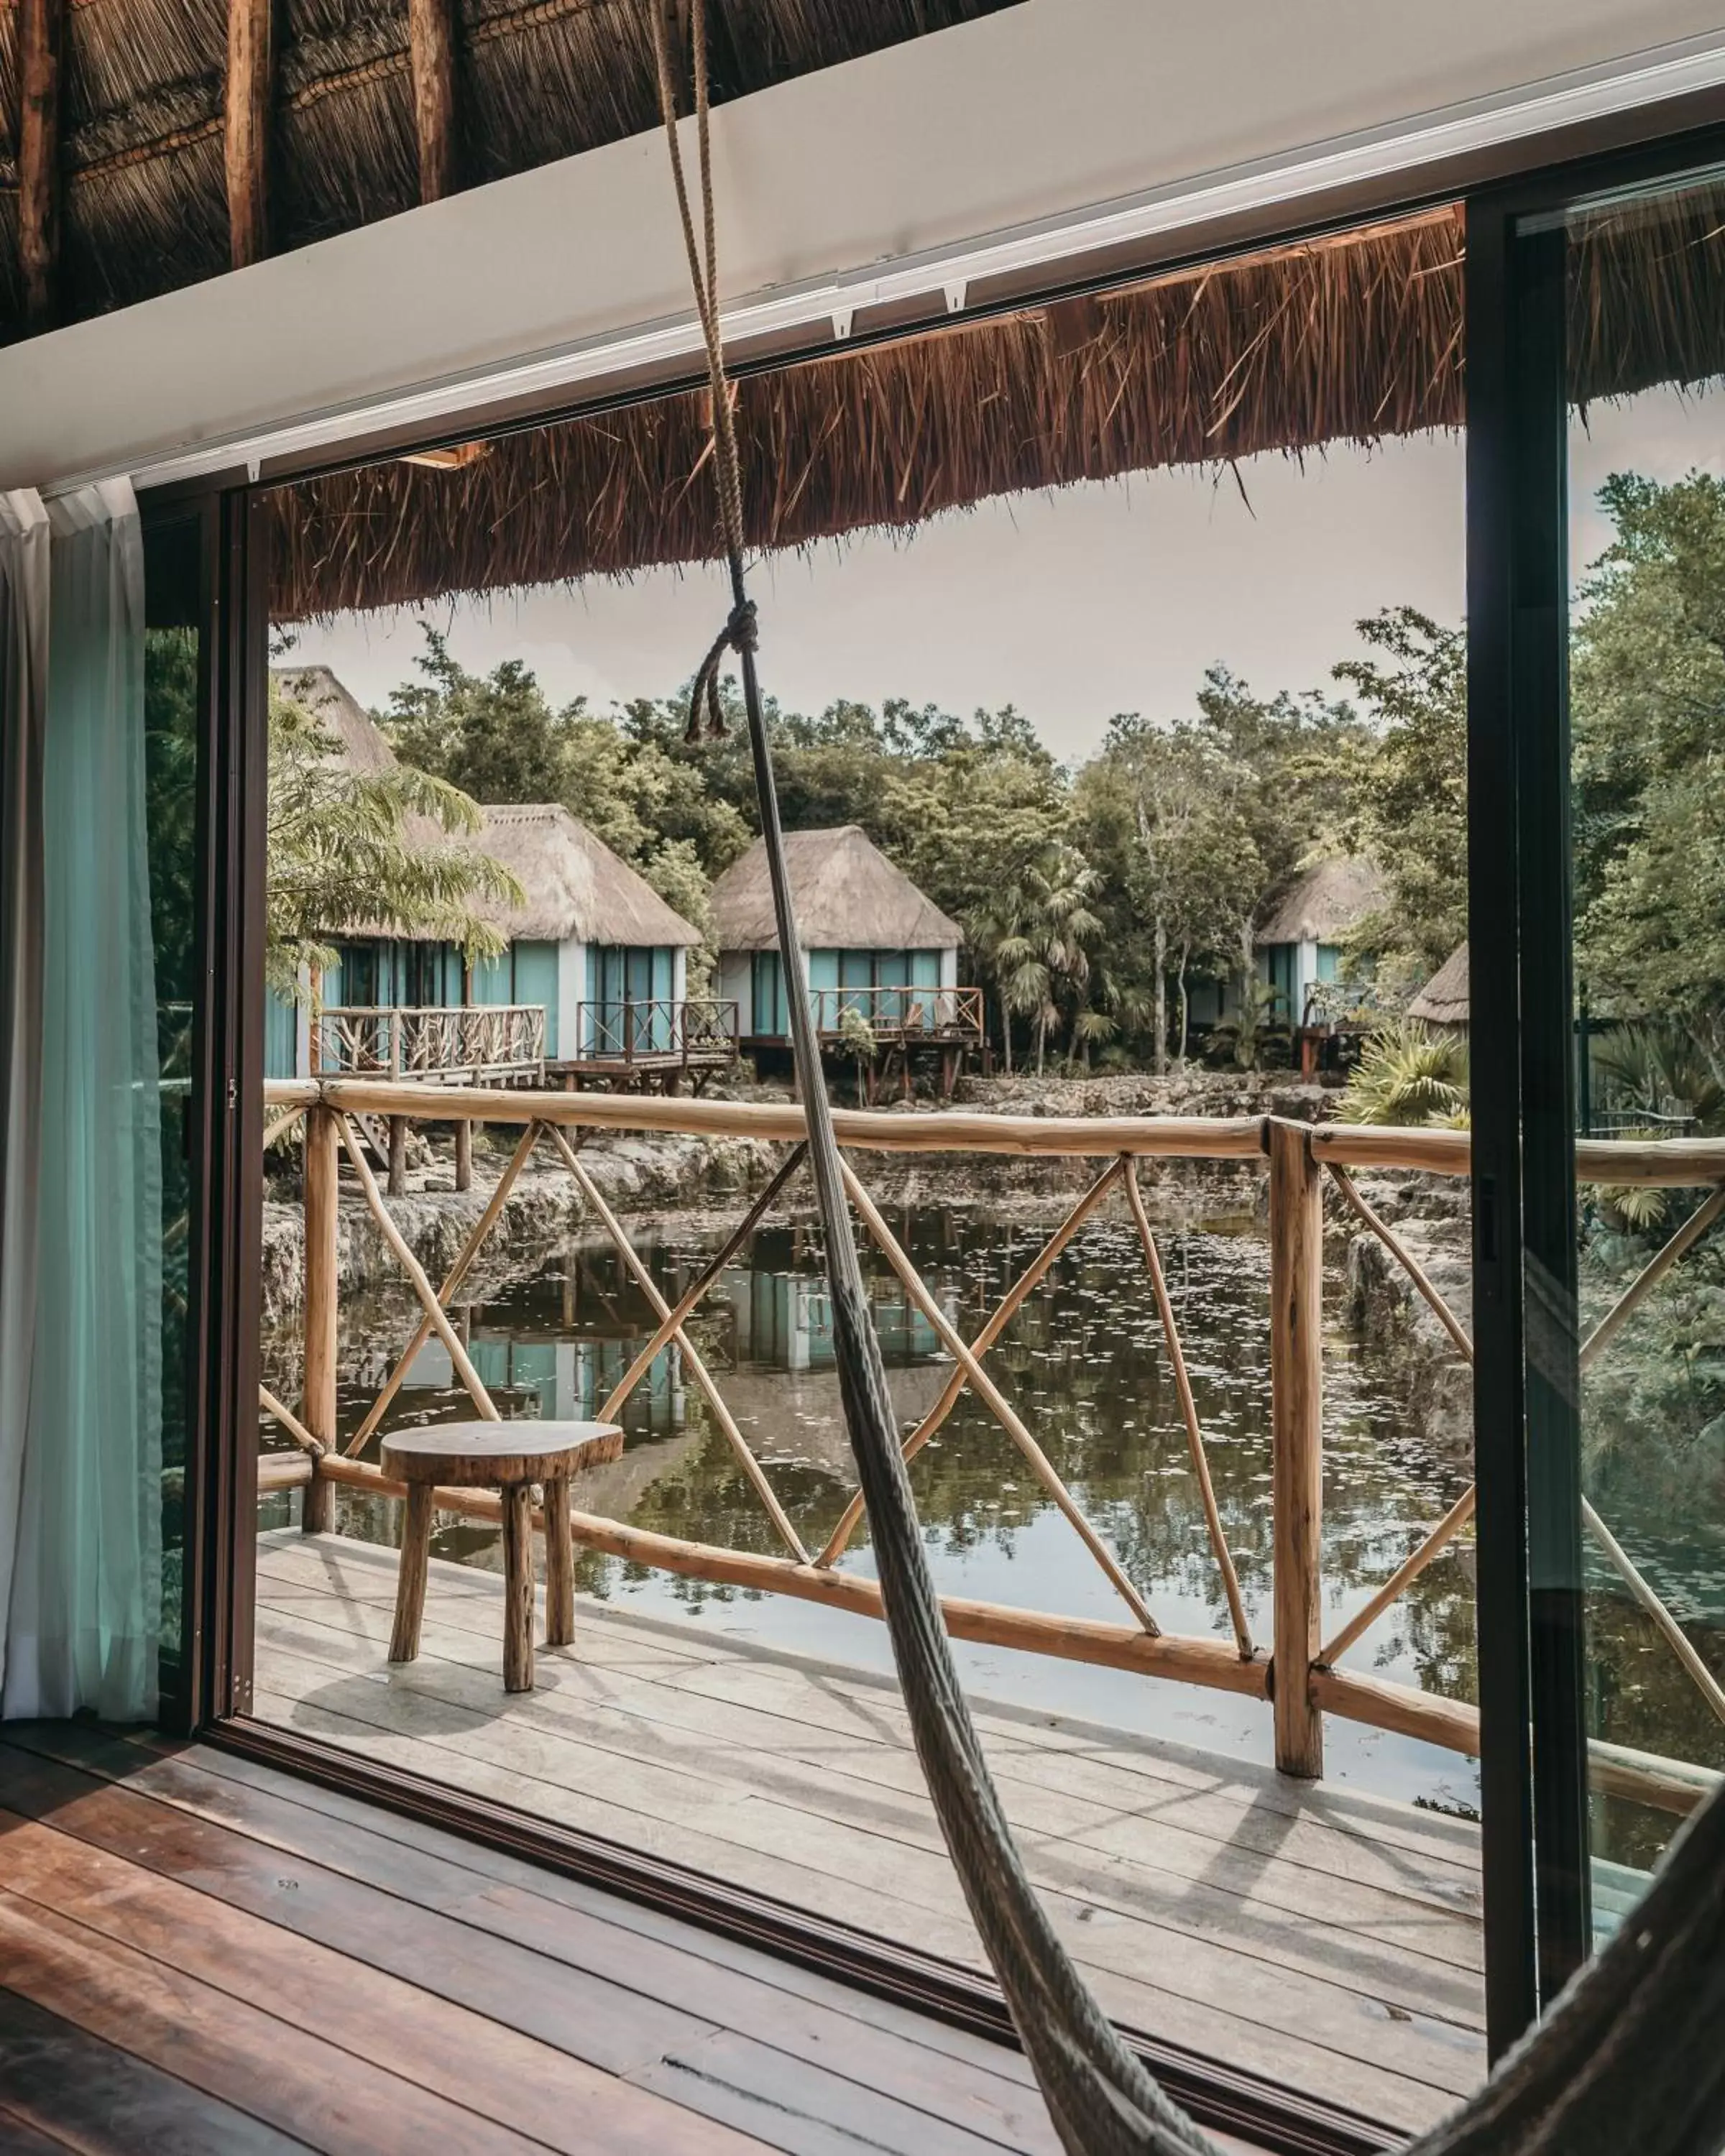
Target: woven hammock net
x=1631 y=2060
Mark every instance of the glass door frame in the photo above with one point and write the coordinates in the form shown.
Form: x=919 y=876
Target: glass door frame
x=1527 y=1385
x=1533 y=1762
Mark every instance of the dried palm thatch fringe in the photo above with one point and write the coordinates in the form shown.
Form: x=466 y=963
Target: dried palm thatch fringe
x=1629 y=2061
x=144 y=202
x=1352 y=339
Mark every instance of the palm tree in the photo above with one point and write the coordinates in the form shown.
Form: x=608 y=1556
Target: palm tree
x=1060 y=929
x=998 y=934
x=343 y=854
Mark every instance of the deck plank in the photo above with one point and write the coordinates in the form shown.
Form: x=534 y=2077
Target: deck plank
x=1131 y=1864
x=69 y=2089
x=305 y=2087
x=1320 y=1935
x=501 y=1951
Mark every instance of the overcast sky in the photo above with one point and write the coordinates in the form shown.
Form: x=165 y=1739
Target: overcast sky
x=1099 y=599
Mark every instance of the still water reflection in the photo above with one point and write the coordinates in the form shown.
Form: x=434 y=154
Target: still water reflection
x=1083 y=1363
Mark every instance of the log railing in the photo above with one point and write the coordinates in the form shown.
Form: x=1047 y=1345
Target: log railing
x=656 y=1029
x=1299 y=1671
x=894 y=1014
x=466 y=1043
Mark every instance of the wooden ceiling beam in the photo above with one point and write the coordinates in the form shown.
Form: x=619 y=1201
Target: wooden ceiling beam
x=431 y=43
x=248 y=101
x=41 y=32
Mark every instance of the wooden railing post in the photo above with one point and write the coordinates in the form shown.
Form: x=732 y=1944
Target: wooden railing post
x=1297 y=1276
x=321 y=1302
x=464 y=1155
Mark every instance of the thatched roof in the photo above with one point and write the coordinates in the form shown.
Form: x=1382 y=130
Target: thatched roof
x=364 y=749
x=1353 y=338
x=1324 y=902
x=1444 y=999
x=848 y=897
x=144 y=194
x=575 y=885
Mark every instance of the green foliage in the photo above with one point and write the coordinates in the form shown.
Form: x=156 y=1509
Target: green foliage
x=1197 y=824
x=343 y=854
x=1408 y=1073
x=1409 y=809
x=1647 y=680
x=1661 y=1074
x=856 y=1037
x=498 y=738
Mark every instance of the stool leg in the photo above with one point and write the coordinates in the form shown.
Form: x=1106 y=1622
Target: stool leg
x=559 y=1565
x=410 y=1581
x=518 y=1587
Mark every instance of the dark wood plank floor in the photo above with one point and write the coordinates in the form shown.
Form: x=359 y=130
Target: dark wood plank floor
x=198 y=1952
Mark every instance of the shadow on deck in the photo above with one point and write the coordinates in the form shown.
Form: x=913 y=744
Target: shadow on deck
x=1307 y=1932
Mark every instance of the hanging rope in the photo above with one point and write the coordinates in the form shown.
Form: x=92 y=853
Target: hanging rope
x=1630 y=2064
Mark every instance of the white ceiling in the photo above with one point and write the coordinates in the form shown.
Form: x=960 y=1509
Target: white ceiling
x=1050 y=128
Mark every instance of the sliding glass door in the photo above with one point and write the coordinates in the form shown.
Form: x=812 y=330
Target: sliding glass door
x=1597 y=620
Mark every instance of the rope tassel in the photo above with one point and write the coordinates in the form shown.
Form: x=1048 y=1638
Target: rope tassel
x=1628 y=2064
x=739 y=634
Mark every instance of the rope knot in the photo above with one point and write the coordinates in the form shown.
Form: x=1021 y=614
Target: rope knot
x=740 y=634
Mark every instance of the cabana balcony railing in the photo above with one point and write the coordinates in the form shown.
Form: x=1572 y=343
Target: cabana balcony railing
x=656 y=1029
x=444 y=1044
x=1303 y=1674
x=900 y=1013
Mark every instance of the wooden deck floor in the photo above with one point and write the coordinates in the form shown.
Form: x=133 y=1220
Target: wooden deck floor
x=200 y=1956
x=1308 y=1933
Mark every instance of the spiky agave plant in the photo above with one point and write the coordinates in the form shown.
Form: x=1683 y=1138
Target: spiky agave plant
x=1408 y=1073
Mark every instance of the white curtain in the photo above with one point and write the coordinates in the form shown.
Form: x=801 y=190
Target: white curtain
x=80 y=1508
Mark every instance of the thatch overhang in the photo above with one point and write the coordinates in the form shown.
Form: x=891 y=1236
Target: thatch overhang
x=1353 y=338
x=1444 y=999
x=1324 y=902
x=576 y=885
x=148 y=102
x=848 y=897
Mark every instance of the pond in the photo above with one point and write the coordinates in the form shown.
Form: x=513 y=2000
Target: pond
x=1085 y=1365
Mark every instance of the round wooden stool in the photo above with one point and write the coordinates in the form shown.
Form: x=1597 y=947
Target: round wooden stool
x=509 y=1457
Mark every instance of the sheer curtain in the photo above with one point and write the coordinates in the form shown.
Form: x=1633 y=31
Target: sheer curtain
x=23 y=714
x=81 y=1505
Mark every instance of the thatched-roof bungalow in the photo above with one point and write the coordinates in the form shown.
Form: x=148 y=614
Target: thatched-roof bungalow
x=872 y=942
x=1300 y=942
x=1444 y=1000
x=592 y=944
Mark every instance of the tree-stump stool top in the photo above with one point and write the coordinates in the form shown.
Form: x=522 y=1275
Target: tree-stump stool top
x=490 y=1456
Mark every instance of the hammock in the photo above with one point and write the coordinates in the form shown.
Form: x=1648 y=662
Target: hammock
x=1630 y=2061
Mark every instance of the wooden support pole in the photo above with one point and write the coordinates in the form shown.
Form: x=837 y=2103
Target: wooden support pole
x=416 y=1273
x=559 y=1564
x=249 y=96
x=1026 y=1283
x=431 y=46
x=464 y=1155
x=321 y=1173
x=518 y=1587
x=41 y=32
x=984 y=1387
x=692 y=1363
x=457 y=1273
x=398 y=1156
x=1188 y=1411
x=415 y=1570
x=1296 y=1282
x=671 y=1324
